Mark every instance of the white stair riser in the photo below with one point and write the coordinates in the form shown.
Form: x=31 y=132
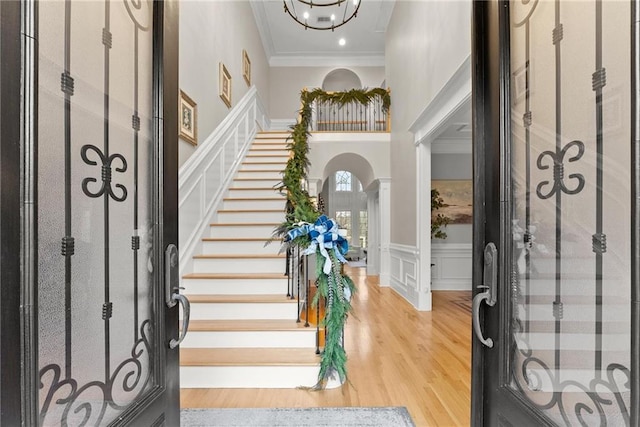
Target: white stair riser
x=266 y=173
x=254 y=204
x=248 y=376
x=223 y=265
x=580 y=313
x=573 y=286
x=248 y=310
x=240 y=217
x=235 y=286
x=240 y=230
x=268 y=151
x=240 y=247
x=251 y=339
x=577 y=342
x=263 y=165
x=250 y=158
x=266 y=192
x=246 y=183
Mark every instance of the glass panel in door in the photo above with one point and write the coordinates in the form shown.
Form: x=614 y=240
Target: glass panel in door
x=97 y=323
x=571 y=213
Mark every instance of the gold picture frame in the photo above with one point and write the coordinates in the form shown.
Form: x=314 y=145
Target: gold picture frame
x=224 y=85
x=246 y=67
x=188 y=116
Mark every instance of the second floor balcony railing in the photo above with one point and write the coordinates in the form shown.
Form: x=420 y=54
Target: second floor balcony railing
x=350 y=117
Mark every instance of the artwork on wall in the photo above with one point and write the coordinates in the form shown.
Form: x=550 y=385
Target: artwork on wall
x=188 y=113
x=246 y=67
x=224 y=85
x=458 y=199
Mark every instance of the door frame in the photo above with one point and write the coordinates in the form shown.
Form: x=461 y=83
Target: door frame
x=491 y=169
x=19 y=366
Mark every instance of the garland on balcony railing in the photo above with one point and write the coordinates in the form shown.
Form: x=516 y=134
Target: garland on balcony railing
x=306 y=228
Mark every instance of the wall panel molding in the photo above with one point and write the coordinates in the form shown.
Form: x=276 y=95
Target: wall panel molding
x=452 y=269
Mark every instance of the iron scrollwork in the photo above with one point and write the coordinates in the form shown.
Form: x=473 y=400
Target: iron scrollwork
x=106 y=161
x=558 y=170
x=87 y=405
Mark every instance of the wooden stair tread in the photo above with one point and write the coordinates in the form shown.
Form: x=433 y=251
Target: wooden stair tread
x=231 y=276
x=259 y=179
x=239 y=239
x=245 y=224
x=250 y=210
x=248 y=357
x=248 y=325
x=254 y=189
x=260 y=170
x=271 y=199
x=229 y=299
x=240 y=256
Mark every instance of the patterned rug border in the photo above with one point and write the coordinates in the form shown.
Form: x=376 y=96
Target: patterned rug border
x=380 y=416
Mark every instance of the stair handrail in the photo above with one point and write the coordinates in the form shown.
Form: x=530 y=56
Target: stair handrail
x=205 y=176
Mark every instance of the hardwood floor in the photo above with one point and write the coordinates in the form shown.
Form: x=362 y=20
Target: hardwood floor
x=397 y=357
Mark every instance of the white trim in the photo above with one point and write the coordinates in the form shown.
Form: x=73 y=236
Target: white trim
x=404 y=270
x=260 y=16
x=423 y=205
x=282 y=124
x=453 y=264
x=326 y=61
x=454 y=95
x=207 y=164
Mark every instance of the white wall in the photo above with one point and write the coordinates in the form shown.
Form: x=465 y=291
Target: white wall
x=212 y=32
x=425 y=44
x=287 y=82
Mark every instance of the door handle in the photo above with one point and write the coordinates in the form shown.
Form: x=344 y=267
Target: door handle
x=186 y=308
x=172 y=291
x=490 y=276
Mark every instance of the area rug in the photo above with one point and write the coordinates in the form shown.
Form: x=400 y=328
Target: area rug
x=299 y=417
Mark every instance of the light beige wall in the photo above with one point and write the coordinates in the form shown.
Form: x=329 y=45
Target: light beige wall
x=425 y=44
x=212 y=32
x=287 y=82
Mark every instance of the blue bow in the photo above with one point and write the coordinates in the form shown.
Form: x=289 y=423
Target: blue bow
x=324 y=235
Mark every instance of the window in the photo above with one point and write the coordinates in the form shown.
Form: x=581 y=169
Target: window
x=343 y=181
x=343 y=218
x=363 y=229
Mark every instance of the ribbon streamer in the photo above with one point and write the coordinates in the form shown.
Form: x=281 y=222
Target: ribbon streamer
x=324 y=234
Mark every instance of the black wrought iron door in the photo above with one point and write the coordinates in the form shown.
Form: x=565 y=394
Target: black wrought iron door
x=556 y=164
x=106 y=208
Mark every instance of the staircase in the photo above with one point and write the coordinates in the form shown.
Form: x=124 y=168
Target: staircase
x=243 y=331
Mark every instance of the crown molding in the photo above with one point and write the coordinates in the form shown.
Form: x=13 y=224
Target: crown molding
x=260 y=16
x=326 y=61
x=454 y=95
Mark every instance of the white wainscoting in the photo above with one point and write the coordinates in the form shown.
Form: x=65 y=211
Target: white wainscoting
x=205 y=176
x=404 y=271
x=452 y=269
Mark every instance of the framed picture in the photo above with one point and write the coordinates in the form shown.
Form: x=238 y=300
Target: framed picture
x=246 y=67
x=458 y=199
x=188 y=113
x=224 y=85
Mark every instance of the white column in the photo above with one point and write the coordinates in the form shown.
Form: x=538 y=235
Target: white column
x=373 y=234
x=423 y=197
x=314 y=186
x=384 y=191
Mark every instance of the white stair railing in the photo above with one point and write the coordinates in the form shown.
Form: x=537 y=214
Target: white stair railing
x=206 y=175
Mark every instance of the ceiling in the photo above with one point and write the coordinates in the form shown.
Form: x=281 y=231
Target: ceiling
x=287 y=43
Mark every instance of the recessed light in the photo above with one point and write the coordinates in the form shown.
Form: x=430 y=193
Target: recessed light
x=342 y=42
x=333 y=17
x=306 y=15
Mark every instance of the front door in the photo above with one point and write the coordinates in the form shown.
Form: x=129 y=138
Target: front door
x=97 y=176
x=555 y=237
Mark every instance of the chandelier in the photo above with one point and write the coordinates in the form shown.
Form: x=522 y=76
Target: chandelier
x=328 y=14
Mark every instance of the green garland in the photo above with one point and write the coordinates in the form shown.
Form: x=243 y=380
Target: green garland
x=300 y=209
